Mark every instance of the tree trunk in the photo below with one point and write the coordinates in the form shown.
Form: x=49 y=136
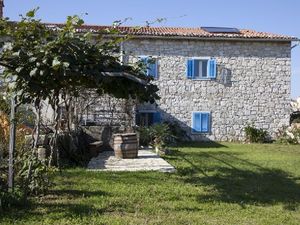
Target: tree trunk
x=53 y=141
x=36 y=134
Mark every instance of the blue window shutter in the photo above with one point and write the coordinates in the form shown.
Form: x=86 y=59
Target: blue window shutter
x=196 y=68
x=189 y=72
x=201 y=122
x=196 y=125
x=212 y=68
x=205 y=122
x=152 y=68
x=156 y=117
x=144 y=60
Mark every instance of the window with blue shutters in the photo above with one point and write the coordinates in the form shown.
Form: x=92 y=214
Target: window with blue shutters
x=151 y=66
x=201 y=68
x=201 y=122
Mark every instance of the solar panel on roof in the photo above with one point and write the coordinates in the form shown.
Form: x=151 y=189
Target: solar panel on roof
x=221 y=30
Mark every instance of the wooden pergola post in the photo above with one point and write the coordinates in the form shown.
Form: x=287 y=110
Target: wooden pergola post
x=12 y=144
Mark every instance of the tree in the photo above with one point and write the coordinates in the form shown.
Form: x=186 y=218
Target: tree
x=54 y=63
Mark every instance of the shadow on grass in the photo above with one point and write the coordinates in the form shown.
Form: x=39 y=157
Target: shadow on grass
x=238 y=184
x=247 y=187
x=72 y=209
x=52 y=204
x=75 y=193
x=201 y=144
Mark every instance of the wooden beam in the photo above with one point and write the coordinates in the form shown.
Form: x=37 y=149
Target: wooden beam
x=125 y=75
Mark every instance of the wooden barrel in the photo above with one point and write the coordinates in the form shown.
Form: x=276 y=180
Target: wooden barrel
x=126 y=146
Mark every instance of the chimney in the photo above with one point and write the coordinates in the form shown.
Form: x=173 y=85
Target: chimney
x=1 y=8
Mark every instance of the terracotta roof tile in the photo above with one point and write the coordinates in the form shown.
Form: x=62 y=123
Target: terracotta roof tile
x=182 y=32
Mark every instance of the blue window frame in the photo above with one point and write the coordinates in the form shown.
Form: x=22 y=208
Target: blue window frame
x=147 y=118
x=201 y=122
x=201 y=68
x=151 y=66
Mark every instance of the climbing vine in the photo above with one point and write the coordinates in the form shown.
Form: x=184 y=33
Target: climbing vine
x=55 y=63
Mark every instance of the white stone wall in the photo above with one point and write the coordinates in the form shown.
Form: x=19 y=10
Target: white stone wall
x=258 y=90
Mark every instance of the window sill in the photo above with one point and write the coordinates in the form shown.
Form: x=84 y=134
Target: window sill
x=199 y=132
x=204 y=79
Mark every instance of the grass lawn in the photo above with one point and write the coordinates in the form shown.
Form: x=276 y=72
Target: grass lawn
x=214 y=184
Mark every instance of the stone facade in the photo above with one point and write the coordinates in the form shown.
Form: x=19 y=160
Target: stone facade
x=252 y=84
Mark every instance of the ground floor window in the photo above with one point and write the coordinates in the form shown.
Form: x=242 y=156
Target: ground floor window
x=147 y=118
x=201 y=122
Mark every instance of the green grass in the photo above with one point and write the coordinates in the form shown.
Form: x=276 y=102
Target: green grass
x=214 y=184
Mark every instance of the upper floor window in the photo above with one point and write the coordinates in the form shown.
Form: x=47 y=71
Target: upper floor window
x=201 y=68
x=151 y=66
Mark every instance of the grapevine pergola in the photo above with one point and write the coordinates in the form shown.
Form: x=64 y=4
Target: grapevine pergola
x=52 y=63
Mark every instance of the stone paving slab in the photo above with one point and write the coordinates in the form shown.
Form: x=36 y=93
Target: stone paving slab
x=146 y=161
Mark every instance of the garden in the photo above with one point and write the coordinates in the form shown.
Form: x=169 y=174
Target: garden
x=215 y=183
x=43 y=175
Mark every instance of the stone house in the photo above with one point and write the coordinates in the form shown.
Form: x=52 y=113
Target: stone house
x=213 y=81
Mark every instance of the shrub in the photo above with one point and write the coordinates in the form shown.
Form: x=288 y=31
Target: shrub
x=171 y=131
x=4 y=130
x=255 y=135
x=4 y=105
x=297 y=120
x=32 y=174
x=144 y=136
x=160 y=134
x=11 y=199
x=288 y=135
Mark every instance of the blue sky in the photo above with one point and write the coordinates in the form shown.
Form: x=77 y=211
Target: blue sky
x=277 y=16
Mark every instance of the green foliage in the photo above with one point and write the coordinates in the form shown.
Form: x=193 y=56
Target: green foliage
x=160 y=134
x=4 y=106
x=47 y=62
x=33 y=175
x=25 y=116
x=254 y=135
x=288 y=135
x=156 y=135
x=11 y=199
x=166 y=133
x=144 y=136
x=32 y=13
x=297 y=120
x=52 y=62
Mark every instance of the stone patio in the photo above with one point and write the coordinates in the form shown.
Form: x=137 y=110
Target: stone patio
x=146 y=161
